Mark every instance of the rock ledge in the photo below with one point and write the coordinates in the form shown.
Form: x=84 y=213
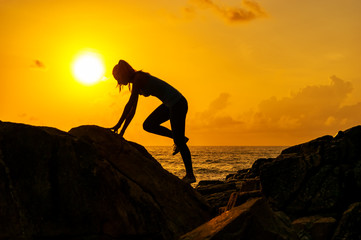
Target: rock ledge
x=88 y=184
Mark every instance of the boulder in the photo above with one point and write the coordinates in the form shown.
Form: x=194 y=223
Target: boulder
x=238 y=198
x=226 y=195
x=89 y=184
x=249 y=173
x=216 y=193
x=251 y=184
x=214 y=187
x=252 y=220
x=315 y=227
x=322 y=175
x=218 y=200
x=312 y=183
x=350 y=223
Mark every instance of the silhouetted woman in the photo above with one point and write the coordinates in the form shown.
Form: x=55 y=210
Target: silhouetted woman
x=173 y=108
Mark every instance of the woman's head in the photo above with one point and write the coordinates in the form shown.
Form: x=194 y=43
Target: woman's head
x=123 y=73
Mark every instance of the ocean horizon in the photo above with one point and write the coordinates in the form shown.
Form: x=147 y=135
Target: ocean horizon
x=213 y=162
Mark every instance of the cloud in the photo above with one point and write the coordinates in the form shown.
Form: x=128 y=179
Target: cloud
x=249 y=11
x=310 y=112
x=215 y=116
x=313 y=109
x=26 y=118
x=217 y=105
x=38 y=64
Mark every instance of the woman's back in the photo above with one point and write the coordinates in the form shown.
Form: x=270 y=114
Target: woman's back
x=160 y=89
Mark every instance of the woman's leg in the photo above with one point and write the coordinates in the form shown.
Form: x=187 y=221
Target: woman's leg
x=153 y=122
x=177 y=120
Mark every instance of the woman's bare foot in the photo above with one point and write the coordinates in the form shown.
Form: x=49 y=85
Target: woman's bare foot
x=189 y=179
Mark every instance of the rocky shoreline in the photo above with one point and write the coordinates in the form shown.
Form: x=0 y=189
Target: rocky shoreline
x=90 y=184
x=315 y=188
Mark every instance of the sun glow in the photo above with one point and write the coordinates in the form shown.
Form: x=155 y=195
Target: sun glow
x=88 y=68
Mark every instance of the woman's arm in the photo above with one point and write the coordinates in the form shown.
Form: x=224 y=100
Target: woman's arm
x=130 y=107
x=130 y=115
x=129 y=111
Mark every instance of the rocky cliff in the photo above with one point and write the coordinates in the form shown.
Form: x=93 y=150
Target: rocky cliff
x=314 y=188
x=88 y=184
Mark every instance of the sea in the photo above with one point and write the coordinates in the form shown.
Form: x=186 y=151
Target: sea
x=213 y=162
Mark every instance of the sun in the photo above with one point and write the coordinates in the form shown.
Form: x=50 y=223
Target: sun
x=88 y=68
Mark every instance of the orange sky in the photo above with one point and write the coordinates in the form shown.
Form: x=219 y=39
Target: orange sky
x=254 y=72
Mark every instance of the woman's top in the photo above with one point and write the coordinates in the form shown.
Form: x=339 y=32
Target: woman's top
x=160 y=89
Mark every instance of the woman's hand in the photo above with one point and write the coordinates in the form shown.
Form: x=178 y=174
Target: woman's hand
x=114 y=129
x=121 y=134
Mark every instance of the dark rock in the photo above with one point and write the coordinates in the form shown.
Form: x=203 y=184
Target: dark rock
x=282 y=178
x=209 y=183
x=238 y=198
x=315 y=227
x=313 y=182
x=215 y=188
x=256 y=166
x=321 y=192
x=248 y=173
x=88 y=184
x=252 y=220
x=218 y=200
x=309 y=147
x=349 y=226
x=241 y=174
x=217 y=193
x=250 y=184
x=323 y=175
